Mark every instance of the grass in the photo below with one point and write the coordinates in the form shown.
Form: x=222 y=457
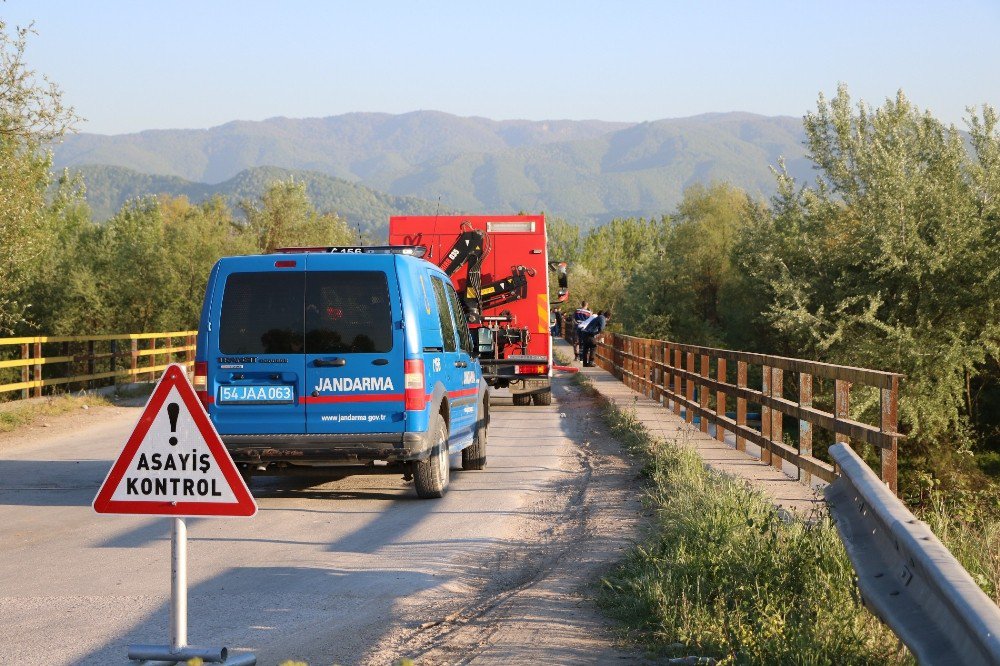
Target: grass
x=723 y=576
x=20 y=414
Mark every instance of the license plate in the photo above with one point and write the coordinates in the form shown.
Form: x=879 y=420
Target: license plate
x=275 y=395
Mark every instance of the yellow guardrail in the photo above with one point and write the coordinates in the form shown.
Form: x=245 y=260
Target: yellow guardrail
x=57 y=360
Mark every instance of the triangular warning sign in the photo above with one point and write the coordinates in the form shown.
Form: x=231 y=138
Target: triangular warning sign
x=175 y=464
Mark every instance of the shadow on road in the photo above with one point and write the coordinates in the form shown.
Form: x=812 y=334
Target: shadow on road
x=51 y=482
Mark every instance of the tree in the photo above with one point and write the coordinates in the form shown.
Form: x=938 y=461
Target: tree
x=31 y=114
x=892 y=259
x=286 y=218
x=684 y=291
x=196 y=237
x=609 y=256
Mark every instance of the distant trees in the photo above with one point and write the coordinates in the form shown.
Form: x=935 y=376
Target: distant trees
x=146 y=268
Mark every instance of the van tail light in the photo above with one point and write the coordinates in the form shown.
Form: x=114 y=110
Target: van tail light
x=414 y=396
x=201 y=381
x=531 y=369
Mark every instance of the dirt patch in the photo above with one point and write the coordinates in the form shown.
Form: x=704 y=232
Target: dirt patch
x=529 y=600
x=42 y=425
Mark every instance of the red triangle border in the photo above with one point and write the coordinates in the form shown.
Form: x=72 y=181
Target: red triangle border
x=175 y=377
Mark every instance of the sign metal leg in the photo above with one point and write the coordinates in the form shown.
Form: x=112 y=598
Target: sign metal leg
x=178 y=585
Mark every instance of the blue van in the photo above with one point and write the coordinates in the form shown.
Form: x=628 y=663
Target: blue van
x=339 y=361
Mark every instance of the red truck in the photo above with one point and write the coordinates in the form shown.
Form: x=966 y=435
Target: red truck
x=500 y=268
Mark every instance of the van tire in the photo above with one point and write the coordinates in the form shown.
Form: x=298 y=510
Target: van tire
x=522 y=399
x=543 y=399
x=474 y=455
x=430 y=475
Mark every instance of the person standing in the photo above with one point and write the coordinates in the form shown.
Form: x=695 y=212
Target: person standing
x=557 y=322
x=580 y=318
x=591 y=328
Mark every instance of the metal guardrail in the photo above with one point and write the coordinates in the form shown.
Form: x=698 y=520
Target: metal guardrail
x=906 y=575
x=46 y=361
x=703 y=382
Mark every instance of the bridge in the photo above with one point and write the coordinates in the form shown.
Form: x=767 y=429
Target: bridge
x=356 y=571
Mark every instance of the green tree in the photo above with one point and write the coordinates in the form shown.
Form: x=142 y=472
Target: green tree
x=284 y=217
x=31 y=115
x=196 y=237
x=892 y=259
x=686 y=290
x=609 y=256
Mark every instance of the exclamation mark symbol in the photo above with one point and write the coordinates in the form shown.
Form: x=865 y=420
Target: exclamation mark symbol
x=173 y=409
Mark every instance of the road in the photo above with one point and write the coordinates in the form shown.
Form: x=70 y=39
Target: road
x=357 y=571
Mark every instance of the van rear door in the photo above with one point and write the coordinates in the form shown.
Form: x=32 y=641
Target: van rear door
x=354 y=345
x=256 y=366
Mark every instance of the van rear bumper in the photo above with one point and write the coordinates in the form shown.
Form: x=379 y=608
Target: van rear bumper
x=389 y=446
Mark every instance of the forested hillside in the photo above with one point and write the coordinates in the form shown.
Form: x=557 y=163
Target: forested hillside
x=107 y=188
x=587 y=171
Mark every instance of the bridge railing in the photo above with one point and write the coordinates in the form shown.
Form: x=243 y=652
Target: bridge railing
x=704 y=382
x=30 y=365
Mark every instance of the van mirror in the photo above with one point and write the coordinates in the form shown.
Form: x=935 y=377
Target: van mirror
x=484 y=341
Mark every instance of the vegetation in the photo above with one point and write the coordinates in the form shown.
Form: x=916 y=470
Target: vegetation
x=108 y=188
x=889 y=260
x=18 y=415
x=31 y=114
x=722 y=575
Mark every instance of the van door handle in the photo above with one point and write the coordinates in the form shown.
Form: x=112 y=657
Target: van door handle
x=461 y=364
x=330 y=362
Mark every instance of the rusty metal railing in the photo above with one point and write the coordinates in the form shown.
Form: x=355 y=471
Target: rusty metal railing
x=702 y=382
x=51 y=361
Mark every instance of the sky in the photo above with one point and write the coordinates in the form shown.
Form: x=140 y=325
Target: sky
x=132 y=66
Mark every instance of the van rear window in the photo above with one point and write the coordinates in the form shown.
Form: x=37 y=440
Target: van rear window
x=262 y=313
x=348 y=311
x=319 y=312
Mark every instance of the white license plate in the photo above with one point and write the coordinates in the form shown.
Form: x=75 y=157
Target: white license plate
x=274 y=395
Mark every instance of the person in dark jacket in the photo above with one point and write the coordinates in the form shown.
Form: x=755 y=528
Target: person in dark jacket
x=557 y=322
x=581 y=315
x=589 y=331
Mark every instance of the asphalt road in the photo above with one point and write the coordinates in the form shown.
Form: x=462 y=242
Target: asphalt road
x=351 y=571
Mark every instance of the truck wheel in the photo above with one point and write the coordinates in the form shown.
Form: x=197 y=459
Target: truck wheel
x=430 y=475
x=522 y=399
x=544 y=398
x=474 y=456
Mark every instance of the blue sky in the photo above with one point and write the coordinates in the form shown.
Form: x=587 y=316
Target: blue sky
x=129 y=66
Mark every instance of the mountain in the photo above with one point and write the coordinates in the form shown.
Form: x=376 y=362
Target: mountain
x=585 y=171
x=108 y=187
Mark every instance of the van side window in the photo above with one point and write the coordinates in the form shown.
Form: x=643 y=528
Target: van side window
x=444 y=314
x=464 y=336
x=262 y=314
x=347 y=312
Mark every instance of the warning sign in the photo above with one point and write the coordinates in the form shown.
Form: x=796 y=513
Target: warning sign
x=174 y=463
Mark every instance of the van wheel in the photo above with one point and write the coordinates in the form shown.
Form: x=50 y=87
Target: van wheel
x=474 y=456
x=522 y=399
x=430 y=475
x=543 y=399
